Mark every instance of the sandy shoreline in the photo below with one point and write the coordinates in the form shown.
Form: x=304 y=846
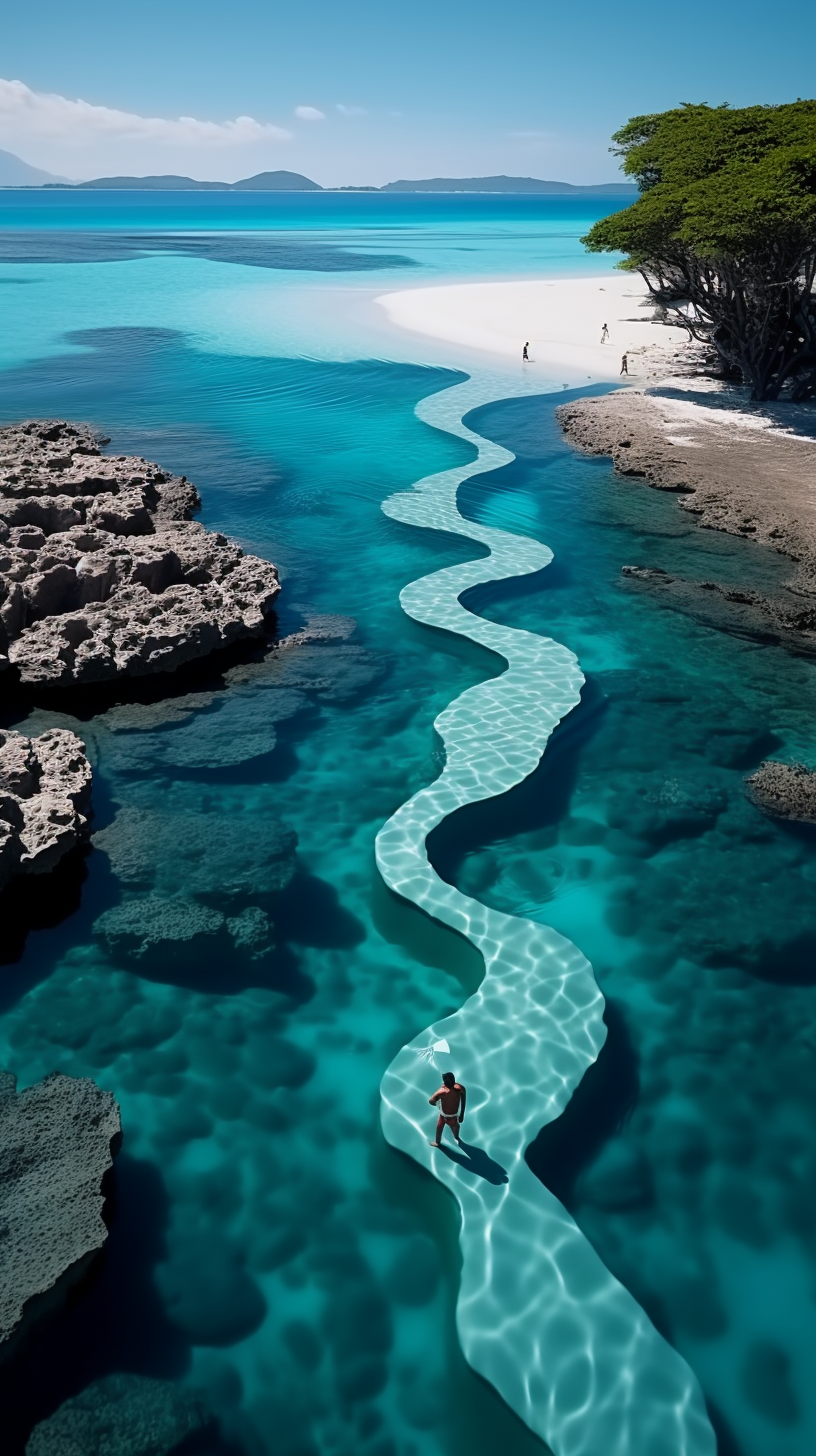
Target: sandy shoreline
x=728 y=463
x=561 y=318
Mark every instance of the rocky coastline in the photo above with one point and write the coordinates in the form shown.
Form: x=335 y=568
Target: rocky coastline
x=733 y=470
x=103 y=573
x=736 y=472
x=104 y=576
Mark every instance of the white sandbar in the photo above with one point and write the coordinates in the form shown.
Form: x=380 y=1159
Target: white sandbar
x=562 y=320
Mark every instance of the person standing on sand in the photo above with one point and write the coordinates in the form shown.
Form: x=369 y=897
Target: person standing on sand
x=604 y=334
x=524 y=355
x=625 y=364
x=450 y=1098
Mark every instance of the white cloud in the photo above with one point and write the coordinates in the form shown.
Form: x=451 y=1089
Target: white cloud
x=310 y=113
x=350 y=110
x=36 y=120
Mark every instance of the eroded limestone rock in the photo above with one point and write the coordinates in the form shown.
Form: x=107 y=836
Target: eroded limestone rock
x=122 y=1415
x=784 y=790
x=102 y=572
x=45 y=785
x=57 y=1141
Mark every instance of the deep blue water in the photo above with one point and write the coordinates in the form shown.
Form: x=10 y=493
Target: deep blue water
x=265 y=1241
x=167 y=211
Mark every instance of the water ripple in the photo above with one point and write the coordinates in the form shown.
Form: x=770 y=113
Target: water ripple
x=538 y=1315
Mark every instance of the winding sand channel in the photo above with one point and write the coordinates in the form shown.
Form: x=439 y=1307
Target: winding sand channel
x=539 y=1316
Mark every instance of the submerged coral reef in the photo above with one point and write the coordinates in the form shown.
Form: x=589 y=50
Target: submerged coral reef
x=184 y=895
x=121 y=1415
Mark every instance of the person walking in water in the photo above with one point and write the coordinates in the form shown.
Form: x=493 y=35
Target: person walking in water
x=449 y=1099
x=604 y=334
x=525 y=356
x=625 y=364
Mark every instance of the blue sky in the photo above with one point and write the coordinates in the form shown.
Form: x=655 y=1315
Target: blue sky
x=428 y=87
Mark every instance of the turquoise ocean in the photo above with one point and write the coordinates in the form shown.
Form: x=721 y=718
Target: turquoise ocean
x=265 y=1241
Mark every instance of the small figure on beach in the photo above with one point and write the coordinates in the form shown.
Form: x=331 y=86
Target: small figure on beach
x=524 y=354
x=604 y=333
x=450 y=1099
x=625 y=364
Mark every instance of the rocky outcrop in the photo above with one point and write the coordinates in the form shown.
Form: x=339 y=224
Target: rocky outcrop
x=122 y=1415
x=784 y=791
x=45 y=785
x=729 y=467
x=786 y=618
x=103 y=574
x=57 y=1141
x=735 y=473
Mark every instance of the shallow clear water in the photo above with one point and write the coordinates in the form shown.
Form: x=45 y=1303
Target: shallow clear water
x=266 y=1239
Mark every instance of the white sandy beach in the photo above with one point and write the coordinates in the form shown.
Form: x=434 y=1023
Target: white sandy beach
x=561 y=318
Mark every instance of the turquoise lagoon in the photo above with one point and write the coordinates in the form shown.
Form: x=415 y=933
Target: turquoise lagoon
x=266 y=1241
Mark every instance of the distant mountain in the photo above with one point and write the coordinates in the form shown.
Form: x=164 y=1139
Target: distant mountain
x=14 y=172
x=504 y=184
x=263 y=182
x=277 y=182
x=155 y=184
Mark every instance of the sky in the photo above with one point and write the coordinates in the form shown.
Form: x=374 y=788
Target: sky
x=355 y=92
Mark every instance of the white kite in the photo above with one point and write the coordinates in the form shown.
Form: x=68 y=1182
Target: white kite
x=428 y=1053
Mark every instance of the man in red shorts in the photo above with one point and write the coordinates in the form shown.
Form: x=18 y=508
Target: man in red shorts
x=450 y=1099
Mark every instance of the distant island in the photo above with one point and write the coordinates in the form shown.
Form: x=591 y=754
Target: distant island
x=505 y=184
x=295 y=182
x=262 y=182
x=14 y=172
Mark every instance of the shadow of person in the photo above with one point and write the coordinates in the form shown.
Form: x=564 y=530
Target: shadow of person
x=475 y=1160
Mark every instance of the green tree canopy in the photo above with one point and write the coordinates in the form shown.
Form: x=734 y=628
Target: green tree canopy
x=724 y=232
